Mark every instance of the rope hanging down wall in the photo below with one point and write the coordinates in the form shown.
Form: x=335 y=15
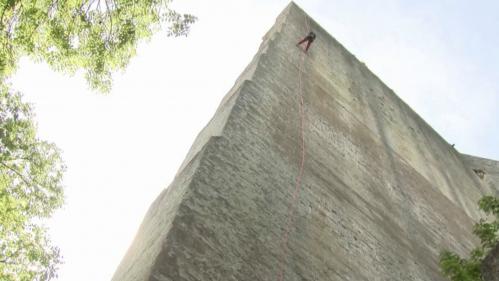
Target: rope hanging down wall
x=294 y=199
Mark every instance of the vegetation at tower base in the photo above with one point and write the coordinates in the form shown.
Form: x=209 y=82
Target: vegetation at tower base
x=470 y=269
x=30 y=188
x=95 y=36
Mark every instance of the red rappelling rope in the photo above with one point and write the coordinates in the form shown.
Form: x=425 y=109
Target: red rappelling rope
x=296 y=192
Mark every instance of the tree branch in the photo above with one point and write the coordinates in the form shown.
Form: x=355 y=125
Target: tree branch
x=52 y=8
x=110 y=21
x=19 y=174
x=13 y=6
x=16 y=158
x=90 y=3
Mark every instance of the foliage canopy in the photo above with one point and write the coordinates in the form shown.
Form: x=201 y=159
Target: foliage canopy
x=30 y=187
x=98 y=36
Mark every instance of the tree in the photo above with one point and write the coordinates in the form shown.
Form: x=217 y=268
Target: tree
x=95 y=36
x=462 y=269
x=30 y=188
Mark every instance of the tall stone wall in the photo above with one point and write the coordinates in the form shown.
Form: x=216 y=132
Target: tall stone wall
x=382 y=193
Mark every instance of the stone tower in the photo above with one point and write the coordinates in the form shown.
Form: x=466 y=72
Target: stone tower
x=311 y=170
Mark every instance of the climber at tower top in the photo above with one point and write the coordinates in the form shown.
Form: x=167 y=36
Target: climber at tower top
x=309 y=39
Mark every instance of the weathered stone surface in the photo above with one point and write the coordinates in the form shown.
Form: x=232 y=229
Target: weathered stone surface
x=490 y=266
x=382 y=192
x=490 y=169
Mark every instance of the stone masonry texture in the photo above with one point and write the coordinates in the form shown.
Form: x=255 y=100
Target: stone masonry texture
x=490 y=169
x=382 y=193
x=490 y=266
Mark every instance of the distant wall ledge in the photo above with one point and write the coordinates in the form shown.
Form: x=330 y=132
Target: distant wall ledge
x=486 y=170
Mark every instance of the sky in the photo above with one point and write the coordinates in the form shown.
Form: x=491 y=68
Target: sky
x=123 y=148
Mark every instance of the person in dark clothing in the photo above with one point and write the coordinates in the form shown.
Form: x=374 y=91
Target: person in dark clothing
x=309 y=39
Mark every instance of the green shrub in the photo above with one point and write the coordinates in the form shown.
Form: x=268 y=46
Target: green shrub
x=460 y=269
